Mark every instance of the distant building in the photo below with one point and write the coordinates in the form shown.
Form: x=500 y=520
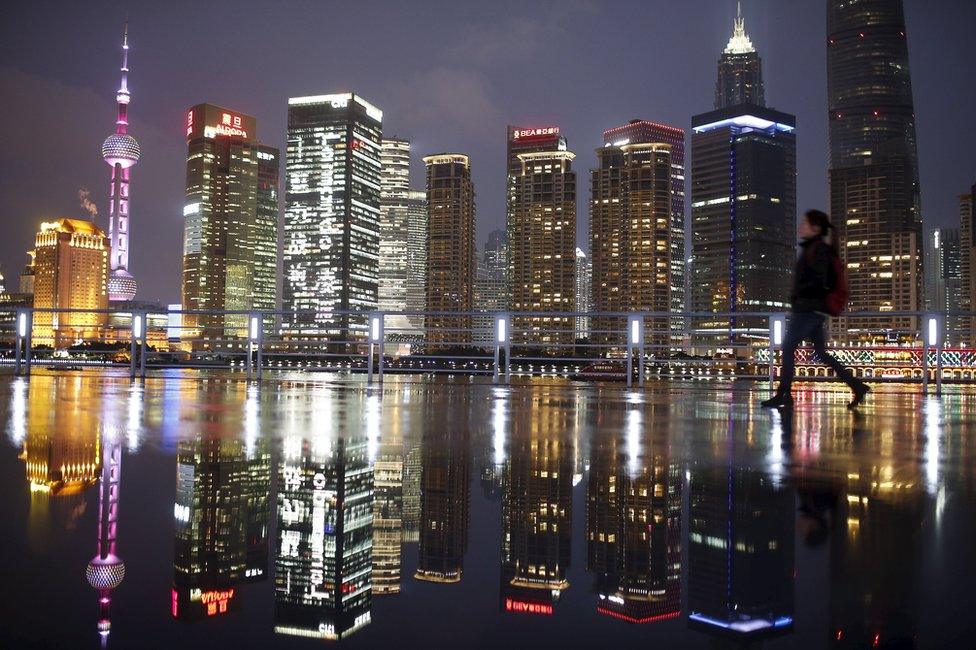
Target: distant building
x=646 y=132
x=943 y=278
x=542 y=247
x=743 y=214
x=397 y=236
x=450 y=248
x=630 y=238
x=230 y=243
x=417 y=257
x=388 y=518
x=70 y=272
x=332 y=215
x=491 y=287
x=444 y=503
x=873 y=174
x=739 y=70
x=967 y=266
x=584 y=293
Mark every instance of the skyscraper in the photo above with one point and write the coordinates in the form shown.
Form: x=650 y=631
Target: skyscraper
x=739 y=70
x=584 y=293
x=121 y=151
x=943 y=278
x=395 y=230
x=967 y=265
x=491 y=287
x=417 y=256
x=70 y=272
x=450 y=248
x=332 y=214
x=630 y=237
x=743 y=212
x=230 y=242
x=541 y=225
x=874 y=188
x=645 y=132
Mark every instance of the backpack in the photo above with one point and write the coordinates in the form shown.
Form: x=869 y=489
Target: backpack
x=836 y=299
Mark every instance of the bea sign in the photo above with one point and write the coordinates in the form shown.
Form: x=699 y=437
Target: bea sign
x=522 y=134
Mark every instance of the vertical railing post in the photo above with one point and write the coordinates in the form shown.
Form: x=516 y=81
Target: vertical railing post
x=932 y=338
x=260 y=345
x=28 y=342
x=375 y=325
x=502 y=337
x=249 y=346
x=777 y=327
x=635 y=341
x=24 y=324
x=135 y=332
x=142 y=344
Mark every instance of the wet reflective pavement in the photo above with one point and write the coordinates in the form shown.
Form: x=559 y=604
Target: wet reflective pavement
x=210 y=513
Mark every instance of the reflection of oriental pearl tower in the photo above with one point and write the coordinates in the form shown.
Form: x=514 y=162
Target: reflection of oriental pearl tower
x=121 y=151
x=106 y=570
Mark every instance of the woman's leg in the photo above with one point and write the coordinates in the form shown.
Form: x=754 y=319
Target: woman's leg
x=818 y=337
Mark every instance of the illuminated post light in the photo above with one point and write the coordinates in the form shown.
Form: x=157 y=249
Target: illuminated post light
x=374 y=330
x=634 y=331
x=933 y=331
x=136 y=326
x=502 y=329
x=22 y=324
x=254 y=328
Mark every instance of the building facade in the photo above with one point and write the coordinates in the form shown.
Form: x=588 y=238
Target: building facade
x=542 y=249
x=332 y=215
x=230 y=241
x=646 y=132
x=874 y=185
x=450 y=249
x=743 y=211
x=584 y=293
x=70 y=264
x=967 y=264
x=943 y=279
x=491 y=286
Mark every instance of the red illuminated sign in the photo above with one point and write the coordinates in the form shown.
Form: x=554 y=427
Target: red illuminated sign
x=522 y=134
x=521 y=606
x=216 y=601
x=640 y=620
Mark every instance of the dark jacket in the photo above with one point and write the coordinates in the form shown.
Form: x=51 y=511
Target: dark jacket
x=813 y=278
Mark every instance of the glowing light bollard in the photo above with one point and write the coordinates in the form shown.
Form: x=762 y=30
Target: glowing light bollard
x=777 y=330
x=375 y=340
x=255 y=345
x=932 y=339
x=635 y=341
x=503 y=338
x=22 y=353
x=137 y=336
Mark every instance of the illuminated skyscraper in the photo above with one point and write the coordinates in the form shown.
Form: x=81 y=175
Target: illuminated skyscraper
x=739 y=70
x=967 y=265
x=70 y=272
x=630 y=236
x=645 y=132
x=121 y=151
x=943 y=278
x=332 y=214
x=388 y=518
x=743 y=215
x=542 y=238
x=491 y=287
x=230 y=242
x=874 y=186
x=450 y=248
x=417 y=255
x=397 y=260
x=584 y=293
x=323 y=556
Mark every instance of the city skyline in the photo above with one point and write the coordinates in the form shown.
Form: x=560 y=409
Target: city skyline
x=158 y=205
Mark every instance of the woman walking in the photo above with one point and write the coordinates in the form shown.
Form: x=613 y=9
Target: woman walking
x=814 y=279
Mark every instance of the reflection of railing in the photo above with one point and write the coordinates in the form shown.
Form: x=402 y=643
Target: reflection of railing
x=621 y=346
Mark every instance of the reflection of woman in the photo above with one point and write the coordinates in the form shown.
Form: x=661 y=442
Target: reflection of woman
x=813 y=280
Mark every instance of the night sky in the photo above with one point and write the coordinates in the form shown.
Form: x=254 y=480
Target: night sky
x=449 y=76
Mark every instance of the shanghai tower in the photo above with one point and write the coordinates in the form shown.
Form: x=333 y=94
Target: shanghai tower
x=874 y=188
x=121 y=151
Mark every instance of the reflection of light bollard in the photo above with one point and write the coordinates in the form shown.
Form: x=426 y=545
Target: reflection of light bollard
x=375 y=339
x=777 y=327
x=502 y=341
x=635 y=341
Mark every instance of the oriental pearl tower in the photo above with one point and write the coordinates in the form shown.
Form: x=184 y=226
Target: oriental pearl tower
x=106 y=570
x=121 y=151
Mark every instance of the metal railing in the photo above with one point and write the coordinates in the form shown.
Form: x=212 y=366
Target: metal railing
x=630 y=347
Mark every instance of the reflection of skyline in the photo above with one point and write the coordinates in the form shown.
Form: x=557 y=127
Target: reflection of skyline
x=537 y=507
x=323 y=555
x=741 y=562
x=633 y=524
x=444 y=493
x=388 y=513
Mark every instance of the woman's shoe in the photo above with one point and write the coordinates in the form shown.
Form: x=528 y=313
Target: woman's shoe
x=779 y=400
x=859 y=394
